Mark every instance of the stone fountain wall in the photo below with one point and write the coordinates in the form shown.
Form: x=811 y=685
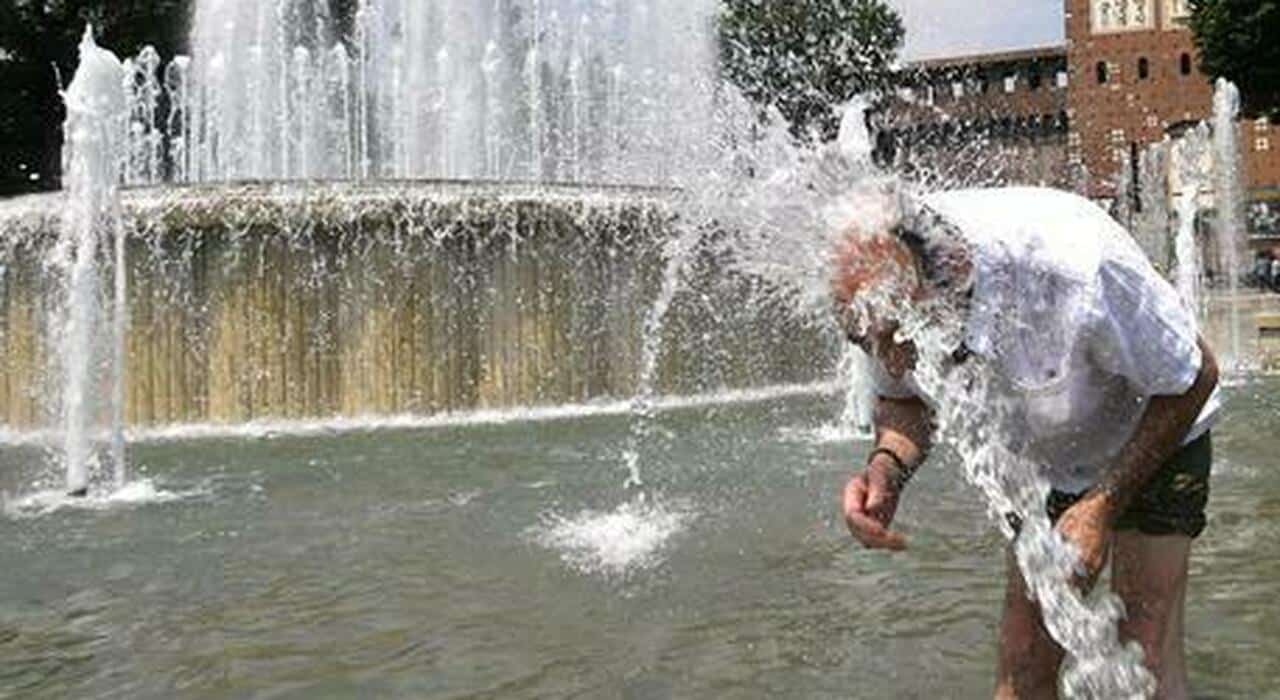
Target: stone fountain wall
x=302 y=302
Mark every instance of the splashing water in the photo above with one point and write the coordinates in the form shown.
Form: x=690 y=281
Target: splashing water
x=628 y=539
x=1229 y=200
x=95 y=114
x=542 y=90
x=140 y=492
x=1189 y=155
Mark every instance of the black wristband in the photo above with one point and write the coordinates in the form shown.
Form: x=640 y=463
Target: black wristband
x=904 y=472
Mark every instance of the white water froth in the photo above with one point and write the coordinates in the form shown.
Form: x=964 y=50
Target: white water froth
x=854 y=424
x=133 y=494
x=629 y=539
x=837 y=433
x=1229 y=201
x=96 y=111
x=267 y=429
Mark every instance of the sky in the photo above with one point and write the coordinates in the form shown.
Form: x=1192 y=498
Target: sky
x=937 y=28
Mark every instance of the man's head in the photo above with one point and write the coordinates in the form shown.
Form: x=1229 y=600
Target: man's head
x=873 y=276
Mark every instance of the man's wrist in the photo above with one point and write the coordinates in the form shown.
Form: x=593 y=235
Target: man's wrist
x=1106 y=499
x=893 y=466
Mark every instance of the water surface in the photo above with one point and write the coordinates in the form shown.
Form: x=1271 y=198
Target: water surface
x=507 y=560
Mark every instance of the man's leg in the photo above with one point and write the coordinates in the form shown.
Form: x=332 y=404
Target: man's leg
x=1149 y=573
x=1028 y=660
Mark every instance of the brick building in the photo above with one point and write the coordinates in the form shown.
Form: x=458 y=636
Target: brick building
x=1135 y=78
x=980 y=120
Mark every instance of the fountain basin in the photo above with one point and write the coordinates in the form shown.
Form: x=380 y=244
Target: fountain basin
x=455 y=561
x=302 y=300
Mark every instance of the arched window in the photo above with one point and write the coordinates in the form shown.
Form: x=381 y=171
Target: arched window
x=1144 y=68
x=1186 y=64
x=1102 y=72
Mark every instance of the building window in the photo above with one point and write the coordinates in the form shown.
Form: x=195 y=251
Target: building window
x=1122 y=15
x=1262 y=143
x=1261 y=125
x=1062 y=79
x=1185 y=62
x=1010 y=82
x=1102 y=72
x=1153 y=120
x=1144 y=68
x=1034 y=80
x=957 y=89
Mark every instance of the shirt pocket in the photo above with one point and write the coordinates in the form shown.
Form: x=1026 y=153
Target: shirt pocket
x=1045 y=395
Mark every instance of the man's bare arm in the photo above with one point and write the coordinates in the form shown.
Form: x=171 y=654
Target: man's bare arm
x=905 y=428
x=1159 y=436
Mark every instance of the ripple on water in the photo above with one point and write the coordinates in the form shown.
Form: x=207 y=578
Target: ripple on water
x=628 y=539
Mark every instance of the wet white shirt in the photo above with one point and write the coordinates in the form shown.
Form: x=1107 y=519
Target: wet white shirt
x=1078 y=326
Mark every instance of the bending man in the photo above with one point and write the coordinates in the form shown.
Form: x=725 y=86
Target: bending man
x=1101 y=380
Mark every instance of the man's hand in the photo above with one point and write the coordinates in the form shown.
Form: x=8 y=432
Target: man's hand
x=870 y=501
x=1088 y=526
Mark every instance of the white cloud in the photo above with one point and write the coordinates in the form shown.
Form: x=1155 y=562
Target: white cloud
x=955 y=27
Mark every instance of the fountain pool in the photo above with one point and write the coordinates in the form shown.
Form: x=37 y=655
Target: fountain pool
x=379 y=430
x=492 y=560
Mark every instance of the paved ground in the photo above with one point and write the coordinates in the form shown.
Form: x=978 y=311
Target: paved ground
x=1247 y=305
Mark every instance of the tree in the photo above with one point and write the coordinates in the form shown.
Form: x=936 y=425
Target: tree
x=38 y=41
x=1238 y=41
x=808 y=57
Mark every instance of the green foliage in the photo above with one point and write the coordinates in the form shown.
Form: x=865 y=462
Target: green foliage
x=40 y=38
x=1240 y=40
x=807 y=57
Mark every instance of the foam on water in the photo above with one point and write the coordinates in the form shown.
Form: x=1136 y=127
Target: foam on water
x=266 y=429
x=615 y=543
x=140 y=492
x=825 y=434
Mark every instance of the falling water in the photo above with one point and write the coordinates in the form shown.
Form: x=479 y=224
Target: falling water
x=1229 y=199
x=96 y=114
x=1190 y=156
x=855 y=376
x=1151 y=221
x=510 y=89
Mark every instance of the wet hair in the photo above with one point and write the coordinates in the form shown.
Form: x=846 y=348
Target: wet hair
x=928 y=236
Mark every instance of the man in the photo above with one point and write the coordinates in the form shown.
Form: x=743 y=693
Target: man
x=1097 y=376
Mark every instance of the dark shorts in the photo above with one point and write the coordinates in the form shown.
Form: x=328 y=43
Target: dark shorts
x=1172 y=503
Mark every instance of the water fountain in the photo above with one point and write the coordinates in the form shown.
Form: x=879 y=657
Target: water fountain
x=86 y=323
x=539 y=90
x=1229 y=201
x=300 y=302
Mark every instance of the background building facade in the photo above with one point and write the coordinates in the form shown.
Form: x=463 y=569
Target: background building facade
x=1075 y=115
